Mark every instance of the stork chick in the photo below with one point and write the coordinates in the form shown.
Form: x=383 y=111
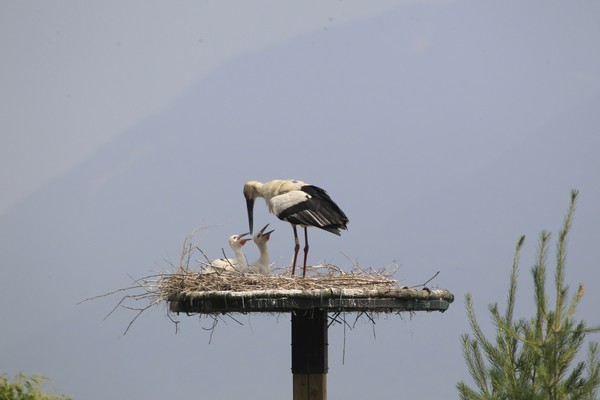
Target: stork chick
x=261 y=266
x=236 y=242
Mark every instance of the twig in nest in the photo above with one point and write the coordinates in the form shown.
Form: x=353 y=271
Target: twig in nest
x=117 y=306
x=333 y=319
x=175 y=321
x=109 y=293
x=205 y=256
x=140 y=311
x=427 y=281
x=212 y=328
x=227 y=260
x=186 y=250
x=354 y=263
x=238 y=322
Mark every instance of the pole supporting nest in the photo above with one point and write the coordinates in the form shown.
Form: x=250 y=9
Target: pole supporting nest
x=308 y=300
x=309 y=354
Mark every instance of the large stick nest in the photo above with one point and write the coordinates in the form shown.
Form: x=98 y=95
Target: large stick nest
x=191 y=281
x=325 y=276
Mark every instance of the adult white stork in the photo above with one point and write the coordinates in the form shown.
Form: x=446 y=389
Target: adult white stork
x=231 y=264
x=299 y=204
x=261 y=266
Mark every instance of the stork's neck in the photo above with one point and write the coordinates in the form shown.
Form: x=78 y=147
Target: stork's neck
x=264 y=253
x=239 y=256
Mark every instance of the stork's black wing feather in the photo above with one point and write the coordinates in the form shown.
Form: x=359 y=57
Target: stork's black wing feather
x=317 y=210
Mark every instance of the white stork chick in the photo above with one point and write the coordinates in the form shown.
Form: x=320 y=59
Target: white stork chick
x=231 y=264
x=299 y=204
x=261 y=266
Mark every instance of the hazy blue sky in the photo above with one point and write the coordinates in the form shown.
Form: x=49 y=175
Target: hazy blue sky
x=444 y=130
x=64 y=64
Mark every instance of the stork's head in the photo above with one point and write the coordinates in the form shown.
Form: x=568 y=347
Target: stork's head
x=252 y=190
x=263 y=236
x=238 y=240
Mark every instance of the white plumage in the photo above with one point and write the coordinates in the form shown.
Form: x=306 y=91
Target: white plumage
x=261 y=265
x=230 y=264
x=299 y=204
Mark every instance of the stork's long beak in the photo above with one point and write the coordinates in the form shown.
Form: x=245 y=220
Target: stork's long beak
x=250 y=206
x=263 y=229
x=263 y=233
x=243 y=241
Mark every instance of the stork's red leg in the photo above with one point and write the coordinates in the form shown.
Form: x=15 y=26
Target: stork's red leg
x=305 y=250
x=296 y=249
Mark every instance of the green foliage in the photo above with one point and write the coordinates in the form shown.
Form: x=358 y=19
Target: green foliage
x=533 y=358
x=24 y=387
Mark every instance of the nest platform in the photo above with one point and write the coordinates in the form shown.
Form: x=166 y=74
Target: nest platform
x=334 y=300
x=333 y=291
